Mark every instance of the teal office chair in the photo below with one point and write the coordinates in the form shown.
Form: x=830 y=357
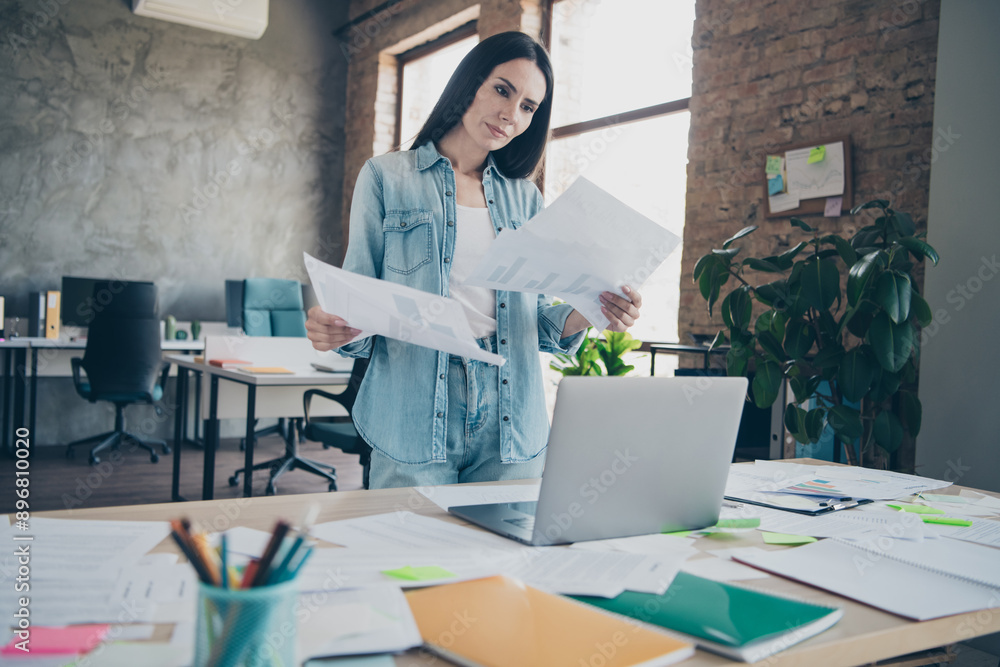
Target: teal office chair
x=274 y=307
x=123 y=362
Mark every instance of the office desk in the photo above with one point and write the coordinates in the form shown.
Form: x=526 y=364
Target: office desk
x=16 y=381
x=863 y=635
x=303 y=378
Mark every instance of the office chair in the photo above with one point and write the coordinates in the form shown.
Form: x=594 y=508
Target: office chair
x=334 y=431
x=122 y=361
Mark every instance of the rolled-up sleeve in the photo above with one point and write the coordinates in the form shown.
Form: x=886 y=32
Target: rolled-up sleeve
x=551 y=322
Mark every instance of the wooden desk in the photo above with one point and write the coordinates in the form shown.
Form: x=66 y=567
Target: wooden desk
x=863 y=635
x=303 y=378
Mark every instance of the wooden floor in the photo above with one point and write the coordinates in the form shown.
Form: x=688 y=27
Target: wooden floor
x=131 y=479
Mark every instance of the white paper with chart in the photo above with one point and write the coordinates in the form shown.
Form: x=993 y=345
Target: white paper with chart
x=585 y=243
x=379 y=307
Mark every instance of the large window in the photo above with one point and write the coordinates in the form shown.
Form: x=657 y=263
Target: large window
x=422 y=75
x=623 y=82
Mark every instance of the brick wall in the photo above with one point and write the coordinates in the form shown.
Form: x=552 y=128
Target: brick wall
x=772 y=73
x=371 y=46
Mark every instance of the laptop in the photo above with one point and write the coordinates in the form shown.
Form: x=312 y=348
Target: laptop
x=627 y=456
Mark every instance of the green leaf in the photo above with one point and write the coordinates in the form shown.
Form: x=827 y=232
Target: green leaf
x=814 y=423
x=844 y=249
x=799 y=338
x=737 y=360
x=875 y=203
x=727 y=254
x=903 y=223
x=911 y=412
x=611 y=349
x=860 y=275
x=828 y=357
x=766 y=384
x=795 y=419
x=919 y=249
x=797 y=222
x=864 y=312
x=711 y=281
x=920 y=309
x=720 y=339
x=892 y=292
x=804 y=388
x=888 y=431
x=740 y=308
x=772 y=321
x=820 y=283
x=855 y=375
x=761 y=265
x=892 y=343
x=846 y=422
x=738 y=235
x=884 y=385
x=865 y=237
x=784 y=260
x=771 y=345
x=703 y=263
x=773 y=294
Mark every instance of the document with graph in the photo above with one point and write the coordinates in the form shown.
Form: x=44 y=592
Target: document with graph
x=585 y=243
x=382 y=308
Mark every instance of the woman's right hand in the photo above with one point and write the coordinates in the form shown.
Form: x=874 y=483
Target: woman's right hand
x=328 y=332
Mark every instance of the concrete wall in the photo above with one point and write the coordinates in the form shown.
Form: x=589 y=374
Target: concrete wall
x=142 y=149
x=959 y=354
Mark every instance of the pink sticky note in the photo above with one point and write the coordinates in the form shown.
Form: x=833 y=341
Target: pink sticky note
x=833 y=206
x=51 y=640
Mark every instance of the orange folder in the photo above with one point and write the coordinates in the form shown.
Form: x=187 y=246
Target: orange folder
x=500 y=622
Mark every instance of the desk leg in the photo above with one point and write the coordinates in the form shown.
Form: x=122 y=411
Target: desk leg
x=211 y=441
x=248 y=454
x=8 y=383
x=33 y=399
x=180 y=401
x=652 y=363
x=20 y=386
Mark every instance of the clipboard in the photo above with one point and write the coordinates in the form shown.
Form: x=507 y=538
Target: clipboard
x=824 y=506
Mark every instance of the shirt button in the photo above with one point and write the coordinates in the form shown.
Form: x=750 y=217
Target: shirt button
x=491 y=201
x=402 y=224
x=451 y=223
x=440 y=414
x=505 y=382
x=503 y=305
x=448 y=193
x=506 y=419
x=447 y=259
x=503 y=341
x=441 y=376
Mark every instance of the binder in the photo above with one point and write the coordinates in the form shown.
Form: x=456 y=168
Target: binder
x=52 y=313
x=736 y=622
x=810 y=506
x=36 y=314
x=500 y=622
x=1 y=318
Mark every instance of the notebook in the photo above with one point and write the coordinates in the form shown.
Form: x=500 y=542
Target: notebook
x=627 y=456
x=736 y=622
x=916 y=580
x=500 y=622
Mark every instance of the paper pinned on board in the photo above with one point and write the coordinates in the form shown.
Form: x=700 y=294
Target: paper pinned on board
x=383 y=308
x=586 y=242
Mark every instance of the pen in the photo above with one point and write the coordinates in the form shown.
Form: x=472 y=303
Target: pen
x=192 y=557
x=261 y=577
x=225 y=568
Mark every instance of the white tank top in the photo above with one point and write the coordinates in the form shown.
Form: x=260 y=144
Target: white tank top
x=473 y=235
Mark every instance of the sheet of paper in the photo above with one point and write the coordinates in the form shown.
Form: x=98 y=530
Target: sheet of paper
x=864 y=483
x=337 y=569
x=782 y=202
x=823 y=178
x=455 y=495
x=586 y=242
x=380 y=307
x=847 y=523
x=406 y=530
x=600 y=573
x=652 y=545
x=720 y=569
x=982 y=531
x=370 y=620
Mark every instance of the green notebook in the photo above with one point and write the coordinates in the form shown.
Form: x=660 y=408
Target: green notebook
x=735 y=622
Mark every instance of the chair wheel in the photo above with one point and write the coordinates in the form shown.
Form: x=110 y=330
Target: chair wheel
x=94 y=460
x=154 y=457
x=166 y=449
x=332 y=487
x=234 y=481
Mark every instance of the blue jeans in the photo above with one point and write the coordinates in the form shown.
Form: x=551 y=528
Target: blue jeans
x=473 y=435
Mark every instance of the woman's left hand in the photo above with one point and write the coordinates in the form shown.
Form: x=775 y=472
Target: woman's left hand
x=621 y=312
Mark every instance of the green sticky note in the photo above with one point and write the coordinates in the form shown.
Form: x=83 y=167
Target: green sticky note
x=946 y=520
x=680 y=533
x=773 y=165
x=817 y=154
x=424 y=573
x=784 y=538
x=916 y=509
x=738 y=524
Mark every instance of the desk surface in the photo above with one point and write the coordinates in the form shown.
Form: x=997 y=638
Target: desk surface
x=300 y=375
x=81 y=343
x=865 y=634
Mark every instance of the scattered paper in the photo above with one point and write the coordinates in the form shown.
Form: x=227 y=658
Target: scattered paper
x=809 y=178
x=981 y=532
x=405 y=530
x=380 y=307
x=370 y=620
x=782 y=202
x=457 y=495
x=833 y=207
x=718 y=569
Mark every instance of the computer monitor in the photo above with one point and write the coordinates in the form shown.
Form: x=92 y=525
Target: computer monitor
x=77 y=301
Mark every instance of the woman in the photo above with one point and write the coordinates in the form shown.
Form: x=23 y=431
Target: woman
x=424 y=218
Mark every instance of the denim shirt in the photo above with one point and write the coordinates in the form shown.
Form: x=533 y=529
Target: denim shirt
x=402 y=230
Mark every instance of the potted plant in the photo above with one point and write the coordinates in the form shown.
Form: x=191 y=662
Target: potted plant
x=847 y=346
x=594 y=352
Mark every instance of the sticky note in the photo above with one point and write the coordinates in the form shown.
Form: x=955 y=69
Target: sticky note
x=916 y=509
x=946 y=520
x=679 y=533
x=53 y=640
x=833 y=207
x=775 y=185
x=817 y=154
x=423 y=573
x=773 y=165
x=784 y=538
x=737 y=524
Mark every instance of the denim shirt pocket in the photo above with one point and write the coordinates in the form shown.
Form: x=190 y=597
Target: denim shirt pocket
x=409 y=237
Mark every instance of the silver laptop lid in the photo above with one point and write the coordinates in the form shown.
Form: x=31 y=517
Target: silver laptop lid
x=632 y=456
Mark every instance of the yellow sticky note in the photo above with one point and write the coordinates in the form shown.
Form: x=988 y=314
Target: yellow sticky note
x=916 y=509
x=773 y=165
x=423 y=573
x=786 y=539
x=817 y=154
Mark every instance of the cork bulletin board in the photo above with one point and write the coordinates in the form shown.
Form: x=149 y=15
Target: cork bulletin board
x=812 y=175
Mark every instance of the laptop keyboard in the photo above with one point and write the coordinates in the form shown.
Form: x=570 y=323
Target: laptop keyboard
x=526 y=522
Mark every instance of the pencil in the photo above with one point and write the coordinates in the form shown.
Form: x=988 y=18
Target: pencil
x=192 y=557
x=261 y=577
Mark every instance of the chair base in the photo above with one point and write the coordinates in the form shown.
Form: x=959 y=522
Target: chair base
x=114 y=439
x=290 y=460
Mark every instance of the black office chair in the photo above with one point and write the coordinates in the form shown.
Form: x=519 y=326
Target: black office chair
x=336 y=431
x=122 y=361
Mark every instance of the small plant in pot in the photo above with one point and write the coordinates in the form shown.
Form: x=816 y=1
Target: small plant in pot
x=848 y=347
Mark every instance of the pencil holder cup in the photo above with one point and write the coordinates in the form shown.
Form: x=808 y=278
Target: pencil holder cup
x=246 y=627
